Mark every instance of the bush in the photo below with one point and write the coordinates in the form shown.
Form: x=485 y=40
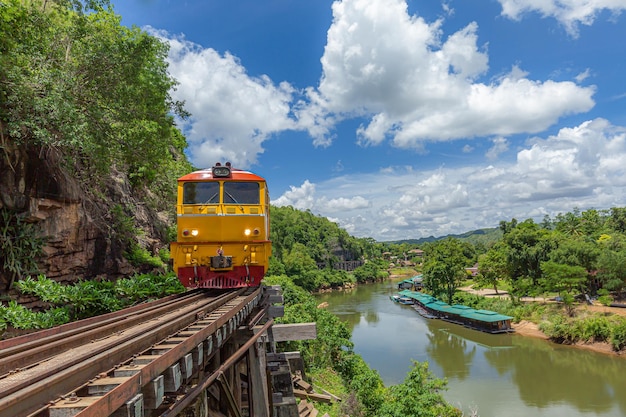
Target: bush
x=369 y=271
x=418 y=395
x=84 y=298
x=558 y=329
x=139 y=256
x=20 y=317
x=596 y=329
x=618 y=335
x=605 y=300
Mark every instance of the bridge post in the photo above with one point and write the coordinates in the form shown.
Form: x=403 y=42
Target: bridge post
x=257 y=390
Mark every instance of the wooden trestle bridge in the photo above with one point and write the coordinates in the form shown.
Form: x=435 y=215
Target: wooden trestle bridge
x=196 y=354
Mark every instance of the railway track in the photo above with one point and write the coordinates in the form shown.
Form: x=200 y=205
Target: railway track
x=136 y=362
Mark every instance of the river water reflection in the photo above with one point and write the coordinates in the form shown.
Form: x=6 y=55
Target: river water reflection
x=498 y=375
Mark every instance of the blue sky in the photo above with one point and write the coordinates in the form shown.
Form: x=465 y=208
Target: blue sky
x=405 y=119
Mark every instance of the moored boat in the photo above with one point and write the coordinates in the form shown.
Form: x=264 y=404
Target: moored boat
x=401 y=299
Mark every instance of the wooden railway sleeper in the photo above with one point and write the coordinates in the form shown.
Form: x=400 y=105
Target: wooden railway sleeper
x=206 y=383
x=39 y=393
x=24 y=351
x=133 y=390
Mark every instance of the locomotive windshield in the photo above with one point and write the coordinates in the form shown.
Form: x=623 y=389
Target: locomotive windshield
x=209 y=193
x=201 y=193
x=241 y=193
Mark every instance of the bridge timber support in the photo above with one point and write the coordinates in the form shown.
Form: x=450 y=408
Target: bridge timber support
x=247 y=377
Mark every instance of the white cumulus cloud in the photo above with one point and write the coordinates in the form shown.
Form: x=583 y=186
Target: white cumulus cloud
x=570 y=13
x=413 y=84
x=233 y=113
x=582 y=166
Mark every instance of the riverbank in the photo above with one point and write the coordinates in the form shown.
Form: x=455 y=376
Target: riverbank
x=531 y=329
x=526 y=327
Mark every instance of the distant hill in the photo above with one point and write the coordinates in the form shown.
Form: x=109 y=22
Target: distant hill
x=483 y=236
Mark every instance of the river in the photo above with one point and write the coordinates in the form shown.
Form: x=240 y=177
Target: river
x=503 y=375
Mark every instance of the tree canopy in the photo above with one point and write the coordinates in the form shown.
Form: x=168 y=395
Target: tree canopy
x=444 y=268
x=88 y=87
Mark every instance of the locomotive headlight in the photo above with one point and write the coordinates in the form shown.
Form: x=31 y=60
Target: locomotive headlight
x=247 y=232
x=194 y=232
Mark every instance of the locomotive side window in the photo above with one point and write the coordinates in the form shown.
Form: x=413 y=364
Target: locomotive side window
x=241 y=193
x=201 y=193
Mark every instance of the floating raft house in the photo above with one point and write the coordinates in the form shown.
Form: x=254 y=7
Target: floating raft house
x=413 y=283
x=483 y=320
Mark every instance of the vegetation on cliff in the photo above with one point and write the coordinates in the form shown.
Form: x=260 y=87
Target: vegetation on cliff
x=86 y=113
x=86 y=120
x=86 y=86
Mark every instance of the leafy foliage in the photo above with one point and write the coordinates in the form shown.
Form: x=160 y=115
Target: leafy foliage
x=492 y=266
x=90 y=88
x=444 y=267
x=618 y=336
x=21 y=317
x=84 y=299
x=370 y=271
x=419 y=395
x=123 y=227
x=593 y=328
x=305 y=247
x=574 y=252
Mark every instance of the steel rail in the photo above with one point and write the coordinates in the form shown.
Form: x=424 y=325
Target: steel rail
x=34 y=387
x=35 y=349
x=32 y=339
x=115 y=398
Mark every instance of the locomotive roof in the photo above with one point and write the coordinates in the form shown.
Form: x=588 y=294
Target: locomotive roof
x=207 y=174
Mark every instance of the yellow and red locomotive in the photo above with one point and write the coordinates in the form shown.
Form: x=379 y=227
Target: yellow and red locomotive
x=223 y=228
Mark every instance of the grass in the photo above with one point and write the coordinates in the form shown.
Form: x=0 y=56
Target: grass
x=329 y=380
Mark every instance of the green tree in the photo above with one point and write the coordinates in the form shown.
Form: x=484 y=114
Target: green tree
x=617 y=219
x=528 y=245
x=574 y=251
x=82 y=85
x=298 y=260
x=492 y=266
x=507 y=227
x=276 y=267
x=444 y=267
x=612 y=269
x=563 y=279
x=418 y=396
x=369 y=271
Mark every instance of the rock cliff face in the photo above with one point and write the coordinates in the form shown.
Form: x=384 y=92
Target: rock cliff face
x=76 y=223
